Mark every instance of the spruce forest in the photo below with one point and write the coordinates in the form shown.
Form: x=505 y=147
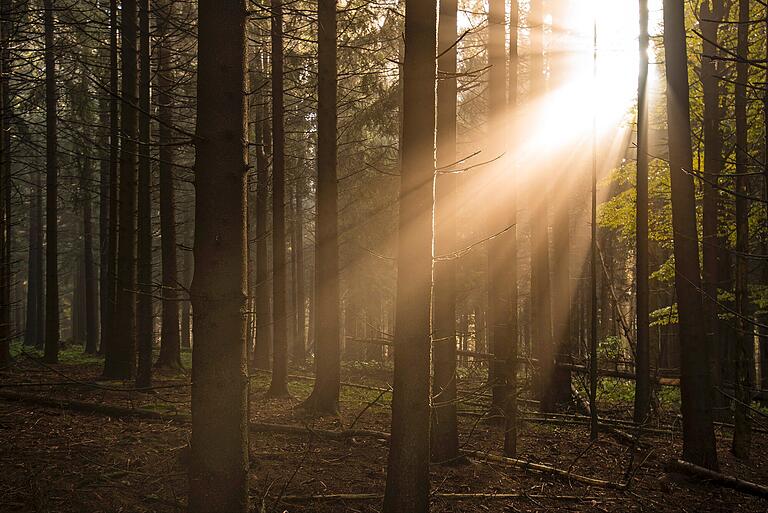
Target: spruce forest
x=388 y=256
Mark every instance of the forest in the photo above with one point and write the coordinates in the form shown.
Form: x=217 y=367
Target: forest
x=388 y=256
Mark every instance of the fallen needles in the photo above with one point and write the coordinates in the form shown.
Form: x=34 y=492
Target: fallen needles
x=447 y=496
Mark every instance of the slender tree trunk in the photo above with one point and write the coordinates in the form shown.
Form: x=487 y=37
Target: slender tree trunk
x=51 y=206
x=103 y=220
x=6 y=330
x=407 y=487
x=218 y=477
x=327 y=316
x=108 y=313
x=34 y=327
x=510 y=407
x=444 y=434
x=498 y=210
x=279 y=385
x=170 y=345
x=120 y=361
x=642 y=357
x=541 y=306
x=263 y=349
x=593 y=255
x=89 y=271
x=300 y=342
x=186 y=318
x=745 y=341
x=695 y=383
x=713 y=149
x=144 y=326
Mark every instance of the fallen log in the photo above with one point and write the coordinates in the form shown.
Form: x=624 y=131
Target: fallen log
x=181 y=418
x=447 y=496
x=716 y=478
x=545 y=469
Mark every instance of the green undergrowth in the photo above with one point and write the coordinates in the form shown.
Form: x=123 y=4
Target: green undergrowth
x=68 y=354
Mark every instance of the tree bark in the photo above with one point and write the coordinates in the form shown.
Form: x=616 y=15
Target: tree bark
x=144 y=331
x=698 y=435
x=89 y=277
x=218 y=478
x=51 y=354
x=444 y=430
x=742 y=434
x=407 y=486
x=642 y=357
x=120 y=362
x=170 y=344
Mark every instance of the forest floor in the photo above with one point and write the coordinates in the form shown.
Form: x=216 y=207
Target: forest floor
x=56 y=459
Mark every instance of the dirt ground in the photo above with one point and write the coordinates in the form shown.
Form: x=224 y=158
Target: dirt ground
x=59 y=460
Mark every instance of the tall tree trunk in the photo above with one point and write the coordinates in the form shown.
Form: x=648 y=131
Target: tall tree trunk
x=510 y=407
x=186 y=318
x=170 y=345
x=89 y=271
x=498 y=209
x=110 y=264
x=103 y=219
x=6 y=331
x=279 y=385
x=144 y=233
x=300 y=342
x=33 y=334
x=642 y=356
x=695 y=383
x=541 y=306
x=120 y=360
x=444 y=434
x=327 y=315
x=560 y=380
x=710 y=19
x=407 y=487
x=51 y=354
x=218 y=477
x=263 y=349
x=745 y=341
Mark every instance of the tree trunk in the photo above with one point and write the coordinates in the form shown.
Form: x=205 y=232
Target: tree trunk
x=300 y=342
x=120 y=361
x=110 y=264
x=218 y=477
x=103 y=219
x=89 y=272
x=745 y=342
x=444 y=434
x=279 y=385
x=51 y=354
x=642 y=356
x=327 y=315
x=170 y=345
x=510 y=370
x=698 y=435
x=407 y=487
x=144 y=234
x=33 y=334
x=541 y=306
x=263 y=349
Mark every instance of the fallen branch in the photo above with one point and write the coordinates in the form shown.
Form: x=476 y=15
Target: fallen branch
x=716 y=478
x=447 y=496
x=545 y=469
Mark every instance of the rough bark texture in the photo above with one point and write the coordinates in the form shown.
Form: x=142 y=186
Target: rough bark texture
x=263 y=349
x=745 y=342
x=120 y=359
x=325 y=394
x=218 y=477
x=5 y=180
x=407 y=487
x=541 y=306
x=510 y=367
x=33 y=335
x=89 y=271
x=642 y=356
x=170 y=344
x=51 y=354
x=698 y=434
x=444 y=434
x=279 y=385
x=300 y=340
x=144 y=334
